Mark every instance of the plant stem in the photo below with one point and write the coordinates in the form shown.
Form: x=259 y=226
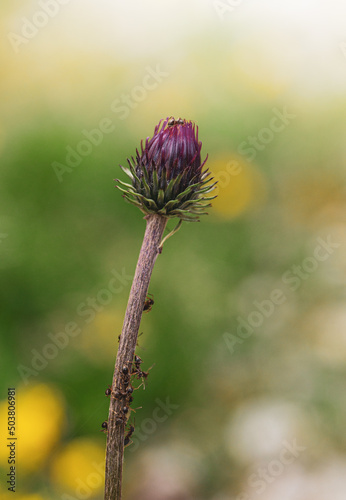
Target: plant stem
x=116 y=429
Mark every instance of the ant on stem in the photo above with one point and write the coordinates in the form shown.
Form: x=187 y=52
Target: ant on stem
x=149 y=302
x=127 y=438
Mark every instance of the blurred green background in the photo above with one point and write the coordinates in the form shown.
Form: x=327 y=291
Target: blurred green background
x=248 y=331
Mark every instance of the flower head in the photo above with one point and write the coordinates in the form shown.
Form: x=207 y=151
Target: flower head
x=167 y=174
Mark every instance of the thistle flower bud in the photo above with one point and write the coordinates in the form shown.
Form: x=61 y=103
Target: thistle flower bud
x=167 y=176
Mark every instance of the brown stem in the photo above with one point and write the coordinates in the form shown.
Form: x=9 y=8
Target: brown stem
x=116 y=420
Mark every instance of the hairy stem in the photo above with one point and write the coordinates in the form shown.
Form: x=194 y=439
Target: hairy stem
x=116 y=419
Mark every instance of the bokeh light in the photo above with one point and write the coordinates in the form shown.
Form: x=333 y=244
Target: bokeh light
x=240 y=187
x=79 y=467
x=39 y=425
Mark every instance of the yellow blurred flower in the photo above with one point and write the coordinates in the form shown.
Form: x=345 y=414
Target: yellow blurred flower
x=240 y=186
x=39 y=421
x=79 y=468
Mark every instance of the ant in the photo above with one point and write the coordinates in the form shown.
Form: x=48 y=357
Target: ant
x=137 y=372
x=137 y=362
x=126 y=378
x=172 y=121
x=127 y=394
x=141 y=374
x=108 y=391
x=126 y=375
x=129 y=433
x=104 y=426
x=149 y=302
x=122 y=417
x=144 y=376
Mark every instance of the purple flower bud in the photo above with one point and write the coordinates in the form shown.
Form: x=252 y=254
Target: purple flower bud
x=167 y=175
